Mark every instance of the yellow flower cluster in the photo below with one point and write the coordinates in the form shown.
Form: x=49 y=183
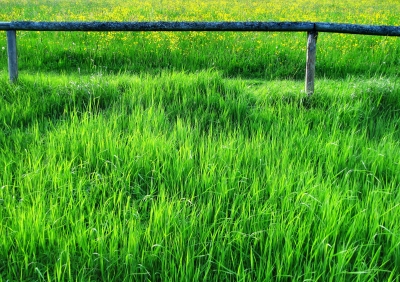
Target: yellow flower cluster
x=349 y=11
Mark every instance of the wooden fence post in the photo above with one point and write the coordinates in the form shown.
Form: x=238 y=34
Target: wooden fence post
x=311 y=58
x=12 y=55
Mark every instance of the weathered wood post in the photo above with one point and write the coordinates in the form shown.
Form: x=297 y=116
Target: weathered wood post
x=311 y=59
x=12 y=55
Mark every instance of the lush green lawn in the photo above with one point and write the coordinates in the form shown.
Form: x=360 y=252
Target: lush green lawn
x=197 y=156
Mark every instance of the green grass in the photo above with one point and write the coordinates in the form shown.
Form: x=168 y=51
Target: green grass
x=198 y=156
x=186 y=176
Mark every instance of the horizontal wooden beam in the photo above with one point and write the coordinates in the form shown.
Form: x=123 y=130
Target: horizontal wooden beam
x=162 y=26
x=204 y=26
x=5 y=26
x=382 y=30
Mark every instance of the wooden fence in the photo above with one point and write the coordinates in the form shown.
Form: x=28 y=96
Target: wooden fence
x=311 y=28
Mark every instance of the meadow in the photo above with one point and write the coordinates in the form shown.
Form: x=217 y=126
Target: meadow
x=195 y=156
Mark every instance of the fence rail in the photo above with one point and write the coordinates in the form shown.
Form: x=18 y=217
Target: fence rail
x=312 y=29
x=203 y=26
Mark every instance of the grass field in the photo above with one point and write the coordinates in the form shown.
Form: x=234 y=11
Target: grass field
x=197 y=156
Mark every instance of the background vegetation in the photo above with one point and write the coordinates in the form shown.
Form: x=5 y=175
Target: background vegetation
x=197 y=156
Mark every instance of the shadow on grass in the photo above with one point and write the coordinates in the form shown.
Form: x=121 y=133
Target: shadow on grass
x=242 y=64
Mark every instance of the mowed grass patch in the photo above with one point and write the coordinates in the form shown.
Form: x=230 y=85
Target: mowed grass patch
x=187 y=176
